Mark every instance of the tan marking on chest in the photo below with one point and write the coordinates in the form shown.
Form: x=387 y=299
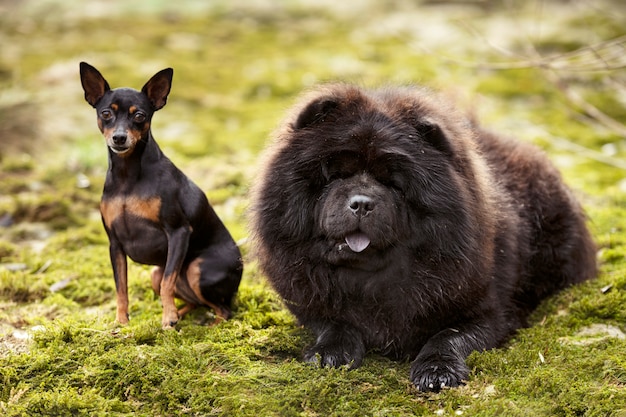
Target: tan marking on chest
x=145 y=208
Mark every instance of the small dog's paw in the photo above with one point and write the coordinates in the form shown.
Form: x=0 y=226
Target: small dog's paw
x=169 y=326
x=434 y=375
x=122 y=317
x=169 y=321
x=170 y=315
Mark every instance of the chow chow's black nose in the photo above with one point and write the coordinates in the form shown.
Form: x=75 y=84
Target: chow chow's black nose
x=361 y=205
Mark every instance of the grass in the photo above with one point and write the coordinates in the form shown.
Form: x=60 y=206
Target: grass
x=238 y=67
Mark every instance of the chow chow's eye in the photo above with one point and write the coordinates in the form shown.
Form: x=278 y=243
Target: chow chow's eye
x=393 y=181
x=341 y=166
x=390 y=184
x=139 y=117
x=340 y=174
x=385 y=176
x=106 y=114
x=332 y=171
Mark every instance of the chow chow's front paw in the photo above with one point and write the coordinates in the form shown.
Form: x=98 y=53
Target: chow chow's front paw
x=335 y=349
x=435 y=374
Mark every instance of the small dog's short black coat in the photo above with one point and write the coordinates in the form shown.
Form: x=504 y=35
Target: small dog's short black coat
x=152 y=212
x=391 y=222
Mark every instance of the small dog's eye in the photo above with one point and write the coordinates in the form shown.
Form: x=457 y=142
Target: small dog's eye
x=106 y=114
x=139 y=117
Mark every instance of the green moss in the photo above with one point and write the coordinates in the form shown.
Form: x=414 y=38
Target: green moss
x=20 y=287
x=7 y=250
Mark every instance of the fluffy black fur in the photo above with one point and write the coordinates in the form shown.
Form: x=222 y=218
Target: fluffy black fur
x=389 y=221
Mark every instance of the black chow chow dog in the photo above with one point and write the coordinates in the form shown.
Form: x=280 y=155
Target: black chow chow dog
x=389 y=221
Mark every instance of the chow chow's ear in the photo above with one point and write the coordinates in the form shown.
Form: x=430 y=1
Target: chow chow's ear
x=432 y=133
x=315 y=112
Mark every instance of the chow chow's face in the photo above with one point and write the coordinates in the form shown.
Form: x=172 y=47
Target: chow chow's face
x=358 y=213
x=379 y=179
x=359 y=179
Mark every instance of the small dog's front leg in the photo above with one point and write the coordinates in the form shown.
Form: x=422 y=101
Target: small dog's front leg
x=120 y=274
x=170 y=312
x=178 y=242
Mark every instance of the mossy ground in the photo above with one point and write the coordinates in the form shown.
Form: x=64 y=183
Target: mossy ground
x=238 y=67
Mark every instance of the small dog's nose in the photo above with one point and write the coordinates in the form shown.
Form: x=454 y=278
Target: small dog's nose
x=361 y=205
x=119 y=138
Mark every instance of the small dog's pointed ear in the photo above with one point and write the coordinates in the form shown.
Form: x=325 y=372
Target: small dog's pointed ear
x=315 y=112
x=93 y=83
x=158 y=87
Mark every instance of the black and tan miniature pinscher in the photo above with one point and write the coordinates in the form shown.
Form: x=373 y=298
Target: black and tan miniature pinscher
x=152 y=212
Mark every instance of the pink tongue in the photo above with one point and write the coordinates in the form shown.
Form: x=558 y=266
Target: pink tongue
x=358 y=241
